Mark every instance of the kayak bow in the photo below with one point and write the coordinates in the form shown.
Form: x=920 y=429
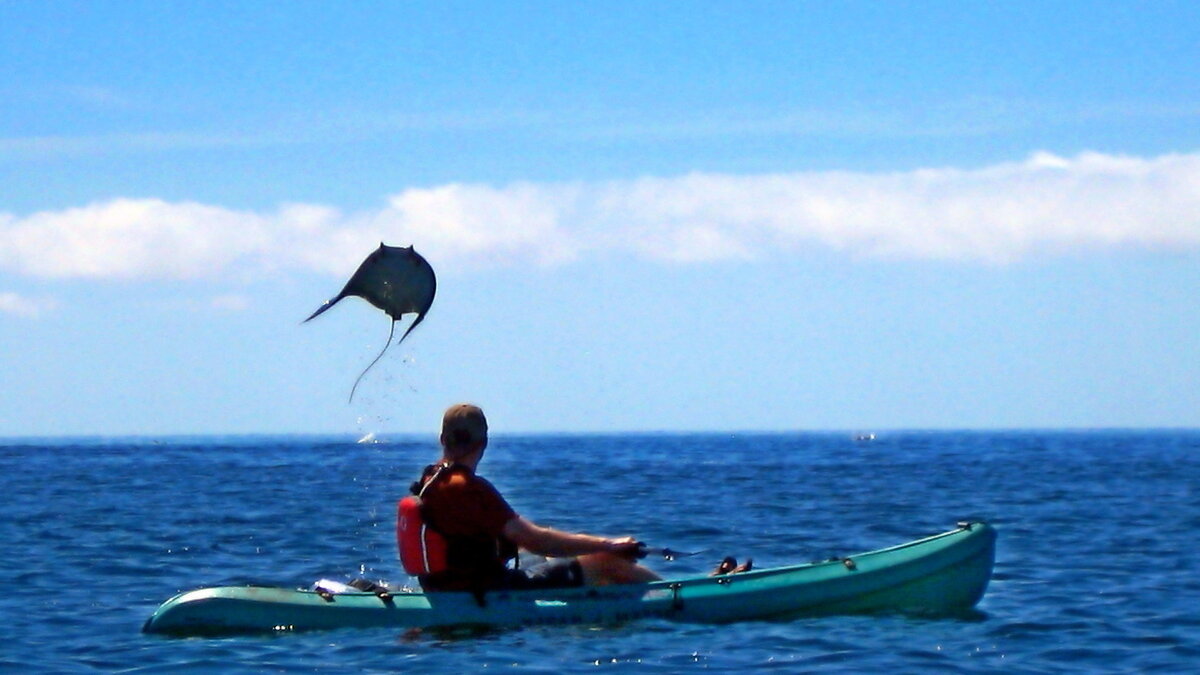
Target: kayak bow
x=938 y=575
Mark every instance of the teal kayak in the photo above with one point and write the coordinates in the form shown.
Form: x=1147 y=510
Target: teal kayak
x=937 y=575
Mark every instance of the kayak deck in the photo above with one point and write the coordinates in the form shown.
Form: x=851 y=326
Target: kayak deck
x=940 y=574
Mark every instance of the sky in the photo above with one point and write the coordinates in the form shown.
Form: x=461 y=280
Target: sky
x=644 y=216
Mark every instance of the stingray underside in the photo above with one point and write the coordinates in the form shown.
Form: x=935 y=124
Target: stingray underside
x=395 y=279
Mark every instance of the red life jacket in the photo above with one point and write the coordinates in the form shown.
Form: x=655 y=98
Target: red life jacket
x=423 y=550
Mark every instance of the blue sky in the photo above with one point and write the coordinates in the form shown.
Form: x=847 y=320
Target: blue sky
x=644 y=216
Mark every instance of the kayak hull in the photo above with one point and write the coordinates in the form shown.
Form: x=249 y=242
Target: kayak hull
x=937 y=575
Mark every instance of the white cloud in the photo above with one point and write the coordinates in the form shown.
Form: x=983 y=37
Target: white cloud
x=1044 y=205
x=127 y=238
x=13 y=303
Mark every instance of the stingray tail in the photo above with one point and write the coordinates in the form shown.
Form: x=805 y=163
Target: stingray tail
x=381 y=353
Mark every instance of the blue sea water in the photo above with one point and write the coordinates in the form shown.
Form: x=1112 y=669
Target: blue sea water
x=1096 y=566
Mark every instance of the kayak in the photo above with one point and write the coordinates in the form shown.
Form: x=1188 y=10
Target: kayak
x=937 y=575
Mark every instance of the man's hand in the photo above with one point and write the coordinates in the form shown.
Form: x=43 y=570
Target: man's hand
x=627 y=547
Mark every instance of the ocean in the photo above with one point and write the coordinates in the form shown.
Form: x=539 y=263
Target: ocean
x=1096 y=567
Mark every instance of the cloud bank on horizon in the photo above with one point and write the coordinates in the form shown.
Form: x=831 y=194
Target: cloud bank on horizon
x=998 y=214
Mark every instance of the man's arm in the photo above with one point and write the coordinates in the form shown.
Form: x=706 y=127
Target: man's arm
x=548 y=541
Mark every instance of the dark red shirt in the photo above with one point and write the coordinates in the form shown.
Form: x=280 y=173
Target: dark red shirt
x=471 y=514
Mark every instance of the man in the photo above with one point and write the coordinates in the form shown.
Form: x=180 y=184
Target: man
x=483 y=532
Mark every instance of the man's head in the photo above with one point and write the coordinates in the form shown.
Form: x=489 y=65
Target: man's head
x=464 y=430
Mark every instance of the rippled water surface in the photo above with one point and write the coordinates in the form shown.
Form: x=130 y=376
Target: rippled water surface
x=1096 y=566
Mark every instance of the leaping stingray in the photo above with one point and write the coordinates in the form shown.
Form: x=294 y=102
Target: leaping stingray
x=395 y=279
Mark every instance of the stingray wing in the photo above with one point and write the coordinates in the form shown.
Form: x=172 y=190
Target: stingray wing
x=349 y=289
